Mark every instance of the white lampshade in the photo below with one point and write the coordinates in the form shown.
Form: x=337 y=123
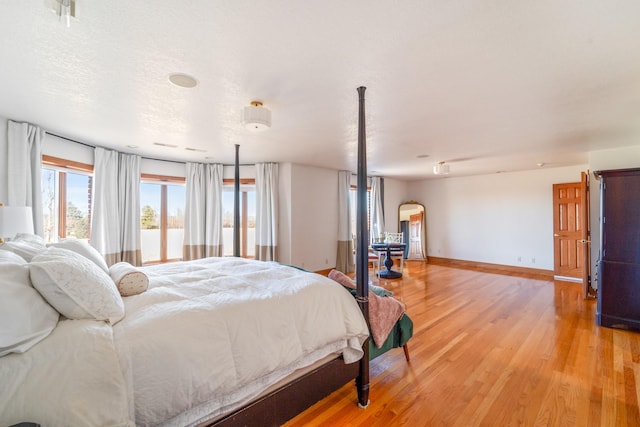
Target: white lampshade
x=14 y=220
x=256 y=117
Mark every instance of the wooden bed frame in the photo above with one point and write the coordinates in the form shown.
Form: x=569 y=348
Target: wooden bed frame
x=284 y=403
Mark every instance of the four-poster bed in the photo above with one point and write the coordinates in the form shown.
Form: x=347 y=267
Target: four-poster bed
x=157 y=361
x=290 y=399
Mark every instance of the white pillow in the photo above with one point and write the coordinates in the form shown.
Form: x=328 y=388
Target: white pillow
x=8 y=256
x=26 y=250
x=128 y=279
x=75 y=286
x=25 y=318
x=84 y=249
x=30 y=238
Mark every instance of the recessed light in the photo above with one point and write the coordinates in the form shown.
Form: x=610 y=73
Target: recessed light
x=132 y=146
x=422 y=156
x=164 y=145
x=183 y=80
x=540 y=164
x=195 y=149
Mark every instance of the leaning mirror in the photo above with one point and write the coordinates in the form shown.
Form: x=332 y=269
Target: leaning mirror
x=412 y=223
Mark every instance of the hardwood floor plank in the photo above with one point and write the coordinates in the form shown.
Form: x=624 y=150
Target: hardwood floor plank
x=494 y=350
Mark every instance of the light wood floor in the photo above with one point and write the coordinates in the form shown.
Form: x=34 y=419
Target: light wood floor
x=495 y=350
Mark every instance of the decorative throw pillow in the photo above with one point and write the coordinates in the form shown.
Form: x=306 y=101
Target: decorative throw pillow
x=26 y=250
x=128 y=279
x=8 y=256
x=348 y=282
x=83 y=248
x=25 y=317
x=75 y=286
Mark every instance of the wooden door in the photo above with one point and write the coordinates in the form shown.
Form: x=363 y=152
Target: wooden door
x=569 y=230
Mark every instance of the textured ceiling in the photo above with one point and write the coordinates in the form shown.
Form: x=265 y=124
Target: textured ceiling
x=485 y=85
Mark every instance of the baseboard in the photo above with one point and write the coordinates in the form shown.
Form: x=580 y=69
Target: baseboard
x=534 y=273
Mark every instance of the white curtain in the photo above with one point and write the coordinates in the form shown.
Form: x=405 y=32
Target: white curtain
x=24 y=169
x=203 y=211
x=344 y=259
x=115 y=221
x=129 y=208
x=266 y=211
x=377 y=209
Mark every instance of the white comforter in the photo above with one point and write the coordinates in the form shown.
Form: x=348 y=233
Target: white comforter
x=208 y=335
x=205 y=337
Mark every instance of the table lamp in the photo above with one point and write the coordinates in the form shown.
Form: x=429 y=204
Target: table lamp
x=13 y=220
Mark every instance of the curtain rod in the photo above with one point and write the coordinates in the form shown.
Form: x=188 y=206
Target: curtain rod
x=142 y=157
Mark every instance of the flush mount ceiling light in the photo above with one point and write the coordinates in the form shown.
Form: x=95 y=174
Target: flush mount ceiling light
x=441 y=169
x=256 y=117
x=183 y=80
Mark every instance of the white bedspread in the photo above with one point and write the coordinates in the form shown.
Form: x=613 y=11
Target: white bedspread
x=71 y=378
x=209 y=335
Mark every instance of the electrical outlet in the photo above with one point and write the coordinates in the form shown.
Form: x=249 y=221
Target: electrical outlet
x=533 y=260
x=519 y=259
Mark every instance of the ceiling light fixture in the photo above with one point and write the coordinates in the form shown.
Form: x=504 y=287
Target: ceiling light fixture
x=256 y=117
x=183 y=80
x=441 y=169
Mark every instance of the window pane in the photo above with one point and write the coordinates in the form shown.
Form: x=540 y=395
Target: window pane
x=50 y=204
x=175 y=220
x=251 y=223
x=248 y=240
x=150 y=195
x=78 y=206
x=227 y=221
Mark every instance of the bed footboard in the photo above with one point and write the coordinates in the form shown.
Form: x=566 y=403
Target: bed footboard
x=293 y=398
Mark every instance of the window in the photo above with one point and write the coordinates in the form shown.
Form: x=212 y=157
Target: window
x=247 y=217
x=162 y=201
x=66 y=199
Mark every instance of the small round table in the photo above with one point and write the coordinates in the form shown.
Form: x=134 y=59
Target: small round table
x=388 y=262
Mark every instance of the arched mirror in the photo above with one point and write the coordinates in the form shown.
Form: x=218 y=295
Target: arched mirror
x=412 y=222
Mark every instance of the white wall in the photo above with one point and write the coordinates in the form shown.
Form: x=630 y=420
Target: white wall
x=284 y=213
x=620 y=158
x=3 y=160
x=494 y=218
x=314 y=217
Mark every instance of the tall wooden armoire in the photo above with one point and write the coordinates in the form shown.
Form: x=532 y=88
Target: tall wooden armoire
x=619 y=258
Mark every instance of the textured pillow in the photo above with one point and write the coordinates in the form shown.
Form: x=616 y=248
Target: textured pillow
x=75 y=286
x=84 y=249
x=25 y=318
x=25 y=249
x=348 y=282
x=30 y=238
x=8 y=256
x=128 y=279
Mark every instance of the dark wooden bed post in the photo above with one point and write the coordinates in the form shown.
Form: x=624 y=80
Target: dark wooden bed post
x=236 y=206
x=362 y=249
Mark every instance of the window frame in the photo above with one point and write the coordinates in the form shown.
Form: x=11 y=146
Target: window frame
x=163 y=181
x=244 y=216
x=64 y=166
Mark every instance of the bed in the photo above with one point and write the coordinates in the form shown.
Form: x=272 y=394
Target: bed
x=184 y=351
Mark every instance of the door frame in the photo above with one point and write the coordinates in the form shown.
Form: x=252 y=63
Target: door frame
x=584 y=239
